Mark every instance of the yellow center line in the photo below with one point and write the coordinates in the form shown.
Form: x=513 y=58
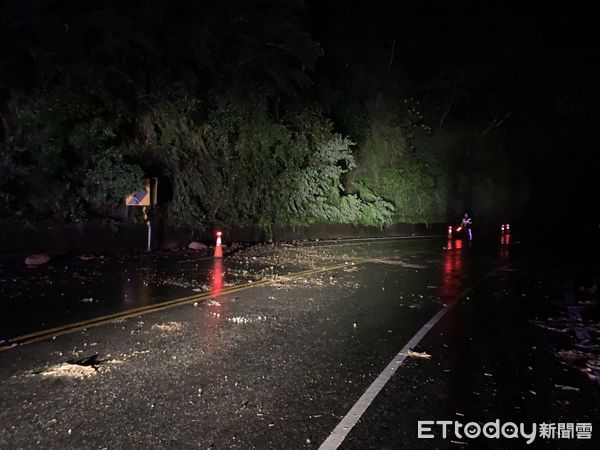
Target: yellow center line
x=41 y=335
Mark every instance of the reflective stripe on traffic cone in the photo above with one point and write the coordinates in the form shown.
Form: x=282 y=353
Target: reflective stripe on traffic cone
x=219 y=246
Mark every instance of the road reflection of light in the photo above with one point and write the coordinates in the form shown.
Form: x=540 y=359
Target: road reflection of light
x=136 y=292
x=216 y=311
x=504 y=246
x=454 y=244
x=452 y=270
x=216 y=277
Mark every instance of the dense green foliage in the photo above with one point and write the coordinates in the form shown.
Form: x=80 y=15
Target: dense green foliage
x=222 y=101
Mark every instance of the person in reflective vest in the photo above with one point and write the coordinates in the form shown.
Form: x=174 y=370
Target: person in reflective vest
x=466 y=224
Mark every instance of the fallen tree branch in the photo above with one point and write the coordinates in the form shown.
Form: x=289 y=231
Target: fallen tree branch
x=497 y=122
x=393 y=51
x=443 y=118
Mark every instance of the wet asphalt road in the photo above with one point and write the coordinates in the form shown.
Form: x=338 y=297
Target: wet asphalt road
x=279 y=365
x=75 y=288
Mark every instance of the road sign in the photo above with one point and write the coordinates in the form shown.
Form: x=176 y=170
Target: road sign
x=145 y=196
x=138 y=198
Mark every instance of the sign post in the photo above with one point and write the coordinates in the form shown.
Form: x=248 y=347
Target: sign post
x=149 y=225
x=145 y=196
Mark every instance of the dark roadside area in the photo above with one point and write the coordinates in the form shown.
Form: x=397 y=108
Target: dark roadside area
x=498 y=356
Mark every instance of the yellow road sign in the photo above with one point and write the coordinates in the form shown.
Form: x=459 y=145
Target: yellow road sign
x=145 y=196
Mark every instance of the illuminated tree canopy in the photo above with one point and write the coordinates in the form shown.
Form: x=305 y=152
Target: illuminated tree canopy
x=254 y=112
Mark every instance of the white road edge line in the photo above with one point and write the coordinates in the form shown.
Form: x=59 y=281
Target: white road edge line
x=337 y=436
x=340 y=432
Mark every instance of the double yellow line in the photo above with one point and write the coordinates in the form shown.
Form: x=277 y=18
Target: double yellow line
x=51 y=333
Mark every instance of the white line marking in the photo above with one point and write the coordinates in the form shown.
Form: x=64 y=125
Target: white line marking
x=351 y=419
x=343 y=428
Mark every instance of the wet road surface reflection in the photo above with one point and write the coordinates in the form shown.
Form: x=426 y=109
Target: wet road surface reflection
x=277 y=366
x=72 y=289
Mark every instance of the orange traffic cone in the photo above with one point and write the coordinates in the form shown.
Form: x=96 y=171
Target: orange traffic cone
x=219 y=246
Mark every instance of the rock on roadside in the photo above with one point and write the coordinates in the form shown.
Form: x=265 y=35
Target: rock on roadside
x=37 y=260
x=197 y=246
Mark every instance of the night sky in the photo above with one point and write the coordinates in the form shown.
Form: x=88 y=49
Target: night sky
x=541 y=61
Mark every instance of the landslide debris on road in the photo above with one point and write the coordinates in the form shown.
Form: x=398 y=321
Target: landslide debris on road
x=580 y=335
x=168 y=326
x=67 y=370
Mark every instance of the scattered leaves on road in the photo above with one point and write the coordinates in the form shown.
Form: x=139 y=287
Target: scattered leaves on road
x=67 y=370
x=420 y=355
x=167 y=326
